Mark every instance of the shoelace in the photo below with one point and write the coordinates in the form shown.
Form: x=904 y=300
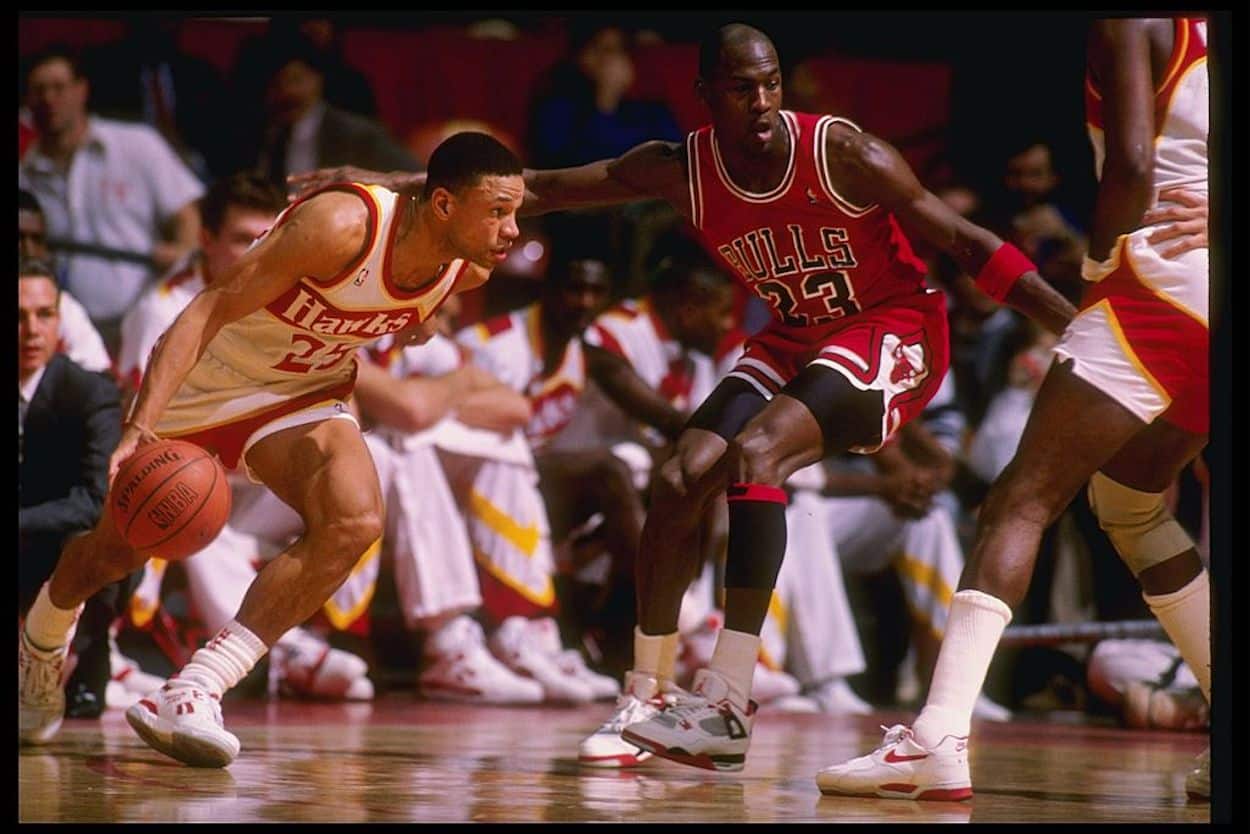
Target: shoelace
x=43 y=679
x=631 y=711
x=893 y=735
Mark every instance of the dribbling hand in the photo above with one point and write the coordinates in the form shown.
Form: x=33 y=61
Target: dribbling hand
x=134 y=435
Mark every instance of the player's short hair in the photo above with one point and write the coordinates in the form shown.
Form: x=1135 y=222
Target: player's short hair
x=243 y=189
x=687 y=275
x=28 y=267
x=464 y=158
x=55 y=52
x=711 y=45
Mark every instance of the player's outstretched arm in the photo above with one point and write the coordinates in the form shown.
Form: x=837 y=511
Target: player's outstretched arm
x=319 y=238
x=876 y=173
x=631 y=393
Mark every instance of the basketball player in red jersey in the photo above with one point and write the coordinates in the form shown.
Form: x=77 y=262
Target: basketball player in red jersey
x=256 y=369
x=1124 y=408
x=809 y=212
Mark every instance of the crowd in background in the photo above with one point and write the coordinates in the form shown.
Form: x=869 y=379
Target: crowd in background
x=515 y=448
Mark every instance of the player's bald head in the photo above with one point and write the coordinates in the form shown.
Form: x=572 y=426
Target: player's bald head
x=729 y=44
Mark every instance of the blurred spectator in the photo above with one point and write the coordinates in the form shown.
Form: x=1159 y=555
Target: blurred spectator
x=79 y=340
x=302 y=131
x=120 y=204
x=69 y=422
x=145 y=78
x=585 y=113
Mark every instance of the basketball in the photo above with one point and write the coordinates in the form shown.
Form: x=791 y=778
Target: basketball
x=170 y=499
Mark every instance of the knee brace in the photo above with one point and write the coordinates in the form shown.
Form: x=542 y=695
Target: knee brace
x=1143 y=531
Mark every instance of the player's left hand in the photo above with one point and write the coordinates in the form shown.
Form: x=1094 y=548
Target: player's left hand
x=1187 y=222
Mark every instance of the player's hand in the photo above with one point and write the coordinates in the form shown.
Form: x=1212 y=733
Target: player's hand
x=303 y=183
x=909 y=491
x=1187 y=222
x=133 y=436
x=417 y=334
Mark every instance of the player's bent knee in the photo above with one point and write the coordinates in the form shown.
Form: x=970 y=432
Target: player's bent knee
x=347 y=537
x=1138 y=523
x=755 y=452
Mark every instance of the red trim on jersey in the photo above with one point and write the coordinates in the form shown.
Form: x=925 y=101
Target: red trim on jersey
x=1187 y=50
x=371 y=229
x=498 y=324
x=500 y=601
x=607 y=341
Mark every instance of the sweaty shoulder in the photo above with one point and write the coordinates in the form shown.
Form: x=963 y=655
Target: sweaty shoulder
x=335 y=224
x=653 y=169
x=864 y=169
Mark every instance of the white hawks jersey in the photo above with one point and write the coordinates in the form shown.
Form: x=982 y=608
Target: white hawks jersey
x=152 y=315
x=312 y=329
x=510 y=347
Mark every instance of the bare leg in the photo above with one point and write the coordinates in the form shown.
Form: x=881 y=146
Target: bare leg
x=325 y=472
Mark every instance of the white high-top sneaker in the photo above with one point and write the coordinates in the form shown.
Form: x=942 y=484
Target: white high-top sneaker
x=40 y=692
x=703 y=728
x=643 y=697
x=902 y=769
x=546 y=635
x=517 y=646
x=461 y=668
x=183 y=721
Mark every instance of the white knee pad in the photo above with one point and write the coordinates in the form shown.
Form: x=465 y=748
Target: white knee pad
x=1143 y=531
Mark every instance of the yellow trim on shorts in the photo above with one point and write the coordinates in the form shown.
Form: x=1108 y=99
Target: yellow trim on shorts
x=544 y=598
x=781 y=616
x=926 y=576
x=1118 y=332
x=1132 y=264
x=341 y=619
x=523 y=538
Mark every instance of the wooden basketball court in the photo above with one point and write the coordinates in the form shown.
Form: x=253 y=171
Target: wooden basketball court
x=404 y=760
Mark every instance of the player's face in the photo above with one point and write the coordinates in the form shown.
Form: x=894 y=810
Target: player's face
x=483 y=219
x=239 y=227
x=57 y=99
x=32 y=234
x=37 y=322
x=744 y=96
x=582 y=295
x=708 y=319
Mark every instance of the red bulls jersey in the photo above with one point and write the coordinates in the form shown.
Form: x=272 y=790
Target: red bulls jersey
x=811 y=254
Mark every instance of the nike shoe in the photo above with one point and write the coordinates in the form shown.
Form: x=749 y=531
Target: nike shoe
x=642 y=698
x=308 y=667
x=40 y=693
x=703 y=728
x=183 y=721
x=902 y=769
x=768 y=685
x=461 y=668
x=523 y=650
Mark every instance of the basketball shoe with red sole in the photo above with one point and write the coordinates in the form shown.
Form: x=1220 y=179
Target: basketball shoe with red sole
x=901 y=768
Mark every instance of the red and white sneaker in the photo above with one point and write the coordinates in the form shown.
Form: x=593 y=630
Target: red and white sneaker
x=526 y=650
x=642 y=698
x=902 y=769
x=460 y=668
x=704 y=728
x=306 y=666
x=183 y=721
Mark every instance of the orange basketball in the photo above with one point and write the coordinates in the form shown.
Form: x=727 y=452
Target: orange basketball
x=170 y=499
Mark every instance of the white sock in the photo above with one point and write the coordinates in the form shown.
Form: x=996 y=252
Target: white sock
x=225 y=660
x=734 y=659
x=1186 y=616
x=47 y=627
x=655 y=654
x=973 y=628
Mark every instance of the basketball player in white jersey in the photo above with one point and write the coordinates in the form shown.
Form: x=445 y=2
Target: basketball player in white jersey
x=236 y=210
x=1123 y=409
x=256 y=369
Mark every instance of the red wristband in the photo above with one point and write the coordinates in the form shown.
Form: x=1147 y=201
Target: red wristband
x=1002 y=270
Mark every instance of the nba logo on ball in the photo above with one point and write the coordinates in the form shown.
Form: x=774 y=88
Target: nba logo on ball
x=170 y=499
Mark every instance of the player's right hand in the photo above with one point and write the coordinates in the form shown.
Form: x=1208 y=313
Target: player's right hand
x=1188 y=212
x=133 y=436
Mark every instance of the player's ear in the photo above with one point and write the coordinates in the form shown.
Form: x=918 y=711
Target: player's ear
x=443 y=202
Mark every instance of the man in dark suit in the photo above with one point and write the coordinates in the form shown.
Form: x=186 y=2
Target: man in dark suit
x=302 y=131
x=69 y=422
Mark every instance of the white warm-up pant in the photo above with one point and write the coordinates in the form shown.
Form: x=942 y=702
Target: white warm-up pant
x=810 y=629
x=925 y=552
